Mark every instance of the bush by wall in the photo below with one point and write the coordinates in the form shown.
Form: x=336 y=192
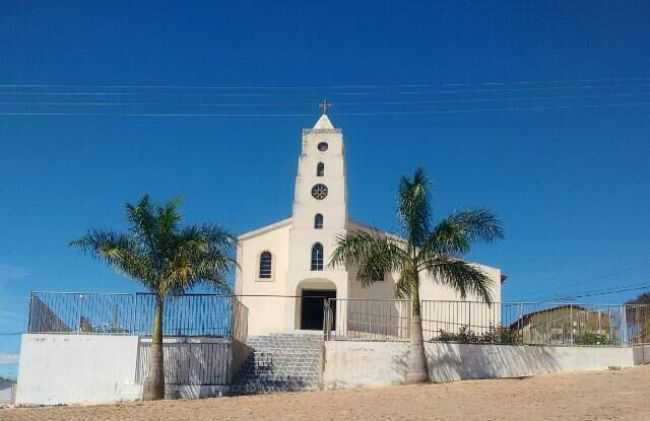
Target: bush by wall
x=497 y=336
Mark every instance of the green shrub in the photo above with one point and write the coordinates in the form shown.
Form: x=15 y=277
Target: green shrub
x=498 y=336
x=593 y=339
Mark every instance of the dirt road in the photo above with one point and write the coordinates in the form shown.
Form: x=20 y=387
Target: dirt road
x=611 y=395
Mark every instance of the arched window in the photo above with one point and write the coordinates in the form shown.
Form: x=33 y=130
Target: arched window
x=317 y=257
x=320 y=169
x=266 y=265
x=318 y=221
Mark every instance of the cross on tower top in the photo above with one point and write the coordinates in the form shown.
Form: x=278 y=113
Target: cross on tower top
x=324 y=106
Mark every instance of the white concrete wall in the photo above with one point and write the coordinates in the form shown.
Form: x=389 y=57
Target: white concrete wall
x=642 y=354
x=450 y=362
x=7 y=392
x=361 y=364
x=93 y=369
x=351 y=364
x=58 y=369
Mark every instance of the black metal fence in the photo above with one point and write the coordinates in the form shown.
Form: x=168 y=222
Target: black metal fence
x=132 y=314
x=498 y=323
x=215 y=315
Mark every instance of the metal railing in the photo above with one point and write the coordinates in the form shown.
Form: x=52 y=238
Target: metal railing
x=132 y=314
x=637 y=317
x=227 y=316
x=497 y=323
x=190 y=363
x=370 y=320
x=239 y=321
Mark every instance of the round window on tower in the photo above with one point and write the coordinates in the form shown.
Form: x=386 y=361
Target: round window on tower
x=319 y=191
x=322 y=146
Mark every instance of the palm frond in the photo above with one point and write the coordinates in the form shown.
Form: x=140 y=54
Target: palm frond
x=168 y=217
x=202 y=255
x=373 y=253
x=159 y=254
x=413 y=208
x=446 y=238
x=462 y=277
x=142 y=218
x=403 y=287
x=454 y=235
x=121 y=252
x=477 y=224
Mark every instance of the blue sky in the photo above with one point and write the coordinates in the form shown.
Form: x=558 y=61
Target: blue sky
x=536 y=110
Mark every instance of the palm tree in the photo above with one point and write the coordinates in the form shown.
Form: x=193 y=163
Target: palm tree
x=166 y=259
x=436 y=250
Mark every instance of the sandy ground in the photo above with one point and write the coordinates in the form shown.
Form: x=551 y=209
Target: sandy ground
x=611 y=395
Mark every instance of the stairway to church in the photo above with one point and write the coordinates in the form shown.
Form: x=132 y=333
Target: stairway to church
x=282 y=362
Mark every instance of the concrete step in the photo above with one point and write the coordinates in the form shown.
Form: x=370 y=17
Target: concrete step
x=280 y=363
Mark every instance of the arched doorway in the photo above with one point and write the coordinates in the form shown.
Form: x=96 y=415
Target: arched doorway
x=313 y=295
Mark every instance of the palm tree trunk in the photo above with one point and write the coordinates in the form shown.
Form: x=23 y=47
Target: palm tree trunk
x=154 y=385
x=417 y=361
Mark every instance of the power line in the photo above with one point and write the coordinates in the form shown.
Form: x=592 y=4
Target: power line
x=365 y=85
x=366 y=90
x=412 y=93
x=125 y=94
x=599 y=292
x=338 y=103
x=68 y=93
x=347 y=114
x=610 y=292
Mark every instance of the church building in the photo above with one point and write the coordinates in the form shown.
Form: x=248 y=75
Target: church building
x=283 y=275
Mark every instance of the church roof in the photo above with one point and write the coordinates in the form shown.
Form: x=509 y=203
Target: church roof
x=265 y=229
x=323 y=123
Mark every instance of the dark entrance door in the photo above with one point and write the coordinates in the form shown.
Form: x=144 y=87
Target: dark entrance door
x=313 y=300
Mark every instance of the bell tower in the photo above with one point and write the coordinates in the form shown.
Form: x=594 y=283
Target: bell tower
x=320 y=186
x=319 y=209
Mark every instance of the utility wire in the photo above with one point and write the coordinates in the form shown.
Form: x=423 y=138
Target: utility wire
x=598 y=292
x=338 y=103
x=367 y=86
x=347 y=114
x=411 y=93
x=610 y=292
x=404 y=89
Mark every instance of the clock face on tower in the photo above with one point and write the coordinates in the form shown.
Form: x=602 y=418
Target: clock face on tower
x=319 y=191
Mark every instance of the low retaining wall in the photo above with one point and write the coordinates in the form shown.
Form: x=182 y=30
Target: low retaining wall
x=642 y=354
x=449 y=362
x=361 y=364
x=91 y=369
x=63 y=369
x=7 y=393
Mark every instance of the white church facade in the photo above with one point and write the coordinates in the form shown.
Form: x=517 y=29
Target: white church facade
x=283 y=273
